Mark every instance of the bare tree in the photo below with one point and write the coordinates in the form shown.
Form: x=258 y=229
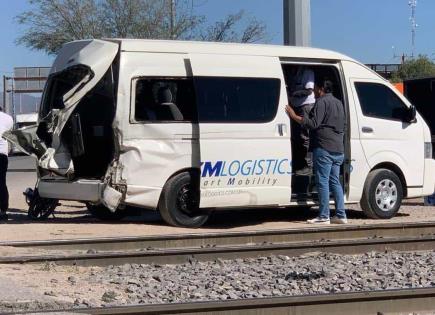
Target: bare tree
x=56 y=22
x=226 y=30
x=51 y=23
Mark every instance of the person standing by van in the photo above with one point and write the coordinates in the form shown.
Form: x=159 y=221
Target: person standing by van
x=6 y=124
x=302 y=98
x=327 y=124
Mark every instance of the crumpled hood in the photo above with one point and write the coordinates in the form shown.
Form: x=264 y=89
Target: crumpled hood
x=98 y=55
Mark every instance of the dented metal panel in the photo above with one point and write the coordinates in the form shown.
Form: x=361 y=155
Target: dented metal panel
x=147 y=165
x=151 y=152
x=26 y=141
x=80 y=190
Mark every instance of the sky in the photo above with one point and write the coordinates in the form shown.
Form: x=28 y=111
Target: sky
x=363 y=29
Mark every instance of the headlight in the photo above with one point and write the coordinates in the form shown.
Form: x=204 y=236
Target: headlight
x=428 y=150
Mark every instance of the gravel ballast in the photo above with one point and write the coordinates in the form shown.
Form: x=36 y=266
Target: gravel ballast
x=271 y=276
x=315 y=273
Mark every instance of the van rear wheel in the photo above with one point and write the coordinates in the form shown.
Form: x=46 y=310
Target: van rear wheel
x=179 y=202
x=103 y=213
x=382 y=195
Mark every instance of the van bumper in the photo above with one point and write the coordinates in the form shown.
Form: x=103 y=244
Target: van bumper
x=429 y=177
x=80 y=190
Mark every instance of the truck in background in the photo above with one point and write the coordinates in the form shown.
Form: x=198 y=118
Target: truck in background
x=421 y=93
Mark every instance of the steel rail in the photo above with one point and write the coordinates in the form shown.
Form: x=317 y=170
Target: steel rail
x=183 y=254
x=403 y=301
x=233 y=238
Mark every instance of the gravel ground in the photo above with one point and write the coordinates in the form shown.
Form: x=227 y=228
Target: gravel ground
x=221 y=280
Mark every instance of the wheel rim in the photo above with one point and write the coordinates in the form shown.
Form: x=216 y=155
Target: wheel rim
x=386 y=195
x=186 y=200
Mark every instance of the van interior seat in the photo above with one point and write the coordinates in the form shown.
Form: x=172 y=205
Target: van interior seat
x=166 y=109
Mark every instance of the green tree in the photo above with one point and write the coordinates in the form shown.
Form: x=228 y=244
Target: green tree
x=415 y=68
x=51 y=23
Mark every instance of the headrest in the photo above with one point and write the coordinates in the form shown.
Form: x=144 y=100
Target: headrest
x=164 y=95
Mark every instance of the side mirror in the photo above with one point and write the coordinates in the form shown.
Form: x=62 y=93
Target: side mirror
x=411 y=115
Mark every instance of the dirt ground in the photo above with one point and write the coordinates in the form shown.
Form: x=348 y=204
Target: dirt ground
x=72 y=220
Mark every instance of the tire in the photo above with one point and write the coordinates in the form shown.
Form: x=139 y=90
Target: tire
x=382 y=194
x=40 y=208
x=179 y=202
x=104 y=214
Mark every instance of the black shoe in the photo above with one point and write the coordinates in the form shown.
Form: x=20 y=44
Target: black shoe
x=306 y=171
x=3 y=216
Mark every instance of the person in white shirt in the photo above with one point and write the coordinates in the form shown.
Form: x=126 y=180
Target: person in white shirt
x=6 y=124
x=302 y=98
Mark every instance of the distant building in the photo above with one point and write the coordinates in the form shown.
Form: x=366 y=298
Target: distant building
x=384 y=69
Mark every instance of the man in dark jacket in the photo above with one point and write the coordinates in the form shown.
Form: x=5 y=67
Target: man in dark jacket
x=327 y=124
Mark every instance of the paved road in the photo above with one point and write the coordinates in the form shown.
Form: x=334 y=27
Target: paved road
x=21 y=163
x=21 y=175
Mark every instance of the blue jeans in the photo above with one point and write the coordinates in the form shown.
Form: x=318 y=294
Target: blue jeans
x=327 y=170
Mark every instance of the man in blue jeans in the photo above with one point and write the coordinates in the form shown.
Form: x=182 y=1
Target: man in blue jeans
x=327 y=124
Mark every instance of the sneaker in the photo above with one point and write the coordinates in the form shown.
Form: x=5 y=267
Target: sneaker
x=337 y=220
x=319 y=221
x=3 y=216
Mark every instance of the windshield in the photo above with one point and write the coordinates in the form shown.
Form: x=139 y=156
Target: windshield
x=58 y=85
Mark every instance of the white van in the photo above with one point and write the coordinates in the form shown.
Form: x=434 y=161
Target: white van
x=188 y=127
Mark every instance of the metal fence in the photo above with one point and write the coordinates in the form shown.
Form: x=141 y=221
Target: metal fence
x=385 y=69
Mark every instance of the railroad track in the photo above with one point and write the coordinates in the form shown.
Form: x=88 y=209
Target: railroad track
x=209 y=246
x=414 y=229
x=403 y=301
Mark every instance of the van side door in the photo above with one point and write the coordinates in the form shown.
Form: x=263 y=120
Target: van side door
x=243 y=130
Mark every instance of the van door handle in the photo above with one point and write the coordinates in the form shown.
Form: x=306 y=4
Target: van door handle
x=282 y=129
x=367 y=129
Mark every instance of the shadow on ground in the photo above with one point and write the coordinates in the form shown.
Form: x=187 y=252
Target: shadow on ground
x=222 y=219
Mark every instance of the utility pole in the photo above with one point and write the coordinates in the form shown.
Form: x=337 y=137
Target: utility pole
x=173 y=17
x=5 y=95
x=414 y=25
x=297 y=22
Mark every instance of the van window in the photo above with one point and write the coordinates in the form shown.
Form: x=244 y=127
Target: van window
x=165 y=99
x=224 y=99
x=379 y=101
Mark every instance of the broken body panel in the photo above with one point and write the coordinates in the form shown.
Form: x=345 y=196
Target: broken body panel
x=79 y=67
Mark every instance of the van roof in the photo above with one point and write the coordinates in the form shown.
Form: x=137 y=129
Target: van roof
x=173 y=46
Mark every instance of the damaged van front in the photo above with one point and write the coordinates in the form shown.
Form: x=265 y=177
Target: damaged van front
x=74 y=141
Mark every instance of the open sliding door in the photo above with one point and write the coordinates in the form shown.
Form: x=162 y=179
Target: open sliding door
x=243 y=130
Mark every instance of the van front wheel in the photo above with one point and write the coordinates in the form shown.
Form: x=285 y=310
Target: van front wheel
x=382 y=195
x=179 y=202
